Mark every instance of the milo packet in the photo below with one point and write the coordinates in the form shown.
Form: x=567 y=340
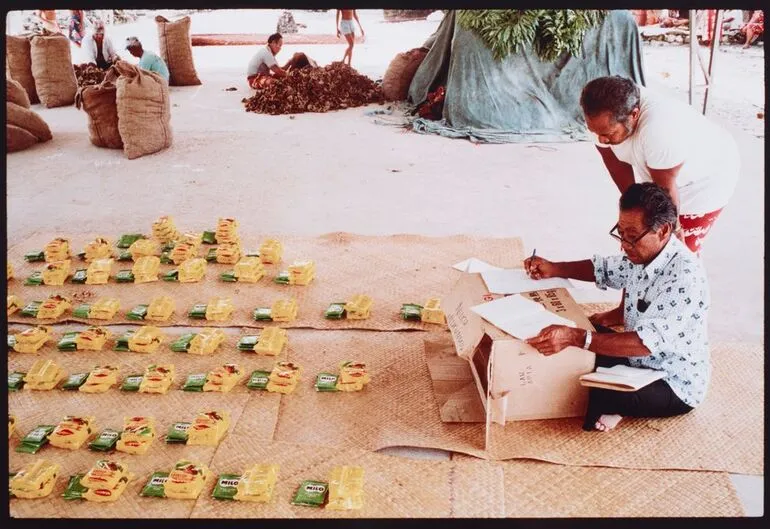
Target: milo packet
x=132 y=383
x=258 y=380
x=198 y=311
x=211 y=255
x=35 y=439
x=195 y=382
x=16 y=381
x=263 y=314
x=34 y=256
x=128 y=239
x=105 y=441
x=31 y=308
x=173 y=275
x=155 y=485
x=411 y=311
x=34 y=280
x=247 y=343
x=311 y=494
x=226 y=487
x=137 y=313
x=182 y=344
x=68 y=342
x=73 y=382
x=82 y=311
x=75 y=490
x=121 y=344
x=209 y=237
x=125 y=255
x=177 y=432
x=228 y=276
x=79 y=277
x=165 y=257
x=336 y=311
x=326 y=382
x=282 y=278
x=124 y=276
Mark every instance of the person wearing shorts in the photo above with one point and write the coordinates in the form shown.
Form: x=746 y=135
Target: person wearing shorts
x=346 y=28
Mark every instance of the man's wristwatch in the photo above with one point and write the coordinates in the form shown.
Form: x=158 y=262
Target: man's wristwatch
x=589 y=337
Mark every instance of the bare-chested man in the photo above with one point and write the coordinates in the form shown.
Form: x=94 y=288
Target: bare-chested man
x=345 y=27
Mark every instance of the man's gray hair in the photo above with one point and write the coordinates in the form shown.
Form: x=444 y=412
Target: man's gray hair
x=653 y=200
x=616 y=95
x=132 y=42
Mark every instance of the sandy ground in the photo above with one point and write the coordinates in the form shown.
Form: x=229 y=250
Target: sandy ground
x=317 y=173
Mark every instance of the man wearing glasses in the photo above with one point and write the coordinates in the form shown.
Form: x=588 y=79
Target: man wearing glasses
x=663 y=313
x=646 y=137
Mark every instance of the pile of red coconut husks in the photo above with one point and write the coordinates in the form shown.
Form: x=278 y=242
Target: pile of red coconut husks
x=88 y=74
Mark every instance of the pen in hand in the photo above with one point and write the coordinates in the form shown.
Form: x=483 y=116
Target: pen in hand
x=529 y=268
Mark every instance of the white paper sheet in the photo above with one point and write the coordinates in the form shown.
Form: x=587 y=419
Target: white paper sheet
x=474 y=266
x=516 y=281
x=518 y=316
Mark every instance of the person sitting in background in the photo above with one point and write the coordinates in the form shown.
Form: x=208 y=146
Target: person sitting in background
x=263 y=67
x=98 y=47
x=754 y=28
x=77 y=26
x=664 y=313
x=147 y=60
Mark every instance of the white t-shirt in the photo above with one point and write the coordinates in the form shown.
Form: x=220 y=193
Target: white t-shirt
x=671 y=132
x=261 y=62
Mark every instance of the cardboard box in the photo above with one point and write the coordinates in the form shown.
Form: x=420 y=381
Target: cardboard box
x=513 y=380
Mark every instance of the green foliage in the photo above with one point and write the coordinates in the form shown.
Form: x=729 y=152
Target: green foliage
x=550 y=32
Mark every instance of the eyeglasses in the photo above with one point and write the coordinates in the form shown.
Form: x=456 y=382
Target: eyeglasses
x=616 y=235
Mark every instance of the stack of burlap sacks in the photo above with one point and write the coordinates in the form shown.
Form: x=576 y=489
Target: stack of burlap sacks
x=398 y=76
x=23 y=127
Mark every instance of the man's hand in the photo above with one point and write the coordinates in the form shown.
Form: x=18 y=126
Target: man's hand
x=363 y=35
x=556 y=338
x=539 y=268
x=338 y=33
x=608 y=319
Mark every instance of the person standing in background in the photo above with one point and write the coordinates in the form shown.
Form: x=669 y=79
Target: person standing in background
x=77 y=26
x=48 y=19
x=345 y=27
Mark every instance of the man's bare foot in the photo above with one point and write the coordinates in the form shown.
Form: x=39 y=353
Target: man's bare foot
x=607 y=422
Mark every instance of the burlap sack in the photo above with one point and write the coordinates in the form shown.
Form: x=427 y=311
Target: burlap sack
x=52 y=68
x=18 y=139
x=18 y=63
x=28 y=120
x=176 y=50
x=100 y=103
x=15 y=93
x=144 y=111
x=398 y=76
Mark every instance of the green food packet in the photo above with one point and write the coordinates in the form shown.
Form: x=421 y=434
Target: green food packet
x=132 y=383
x=263 y=314
x=75 y=381
x=282 y=278
x=228 y=276
x=336 y=311
x=410 y=311
x=75 y=490
x=209 y=237
x=165 y=258
x=173 y=275
x=35 y=439
x=68 y=342
x=198 y=311
x=247 y=343
x=137 y=313
x=258 y=380
x=128 y=239
x=124 y=276
x=211 y=255
x=82 y=311
x=311 y=494
x=194 y=382
x=11 y=341
x=155 y=485
x=177 y=432
x=79 y=277
x=31 y=308
x=37 y=255
x=226 y=487
x=35 y=279
x=121 y=344
x=326 y=382
x=124 y=255
x=167 y=247
x=16 y=381
x=182 y=344
x=105 y=441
